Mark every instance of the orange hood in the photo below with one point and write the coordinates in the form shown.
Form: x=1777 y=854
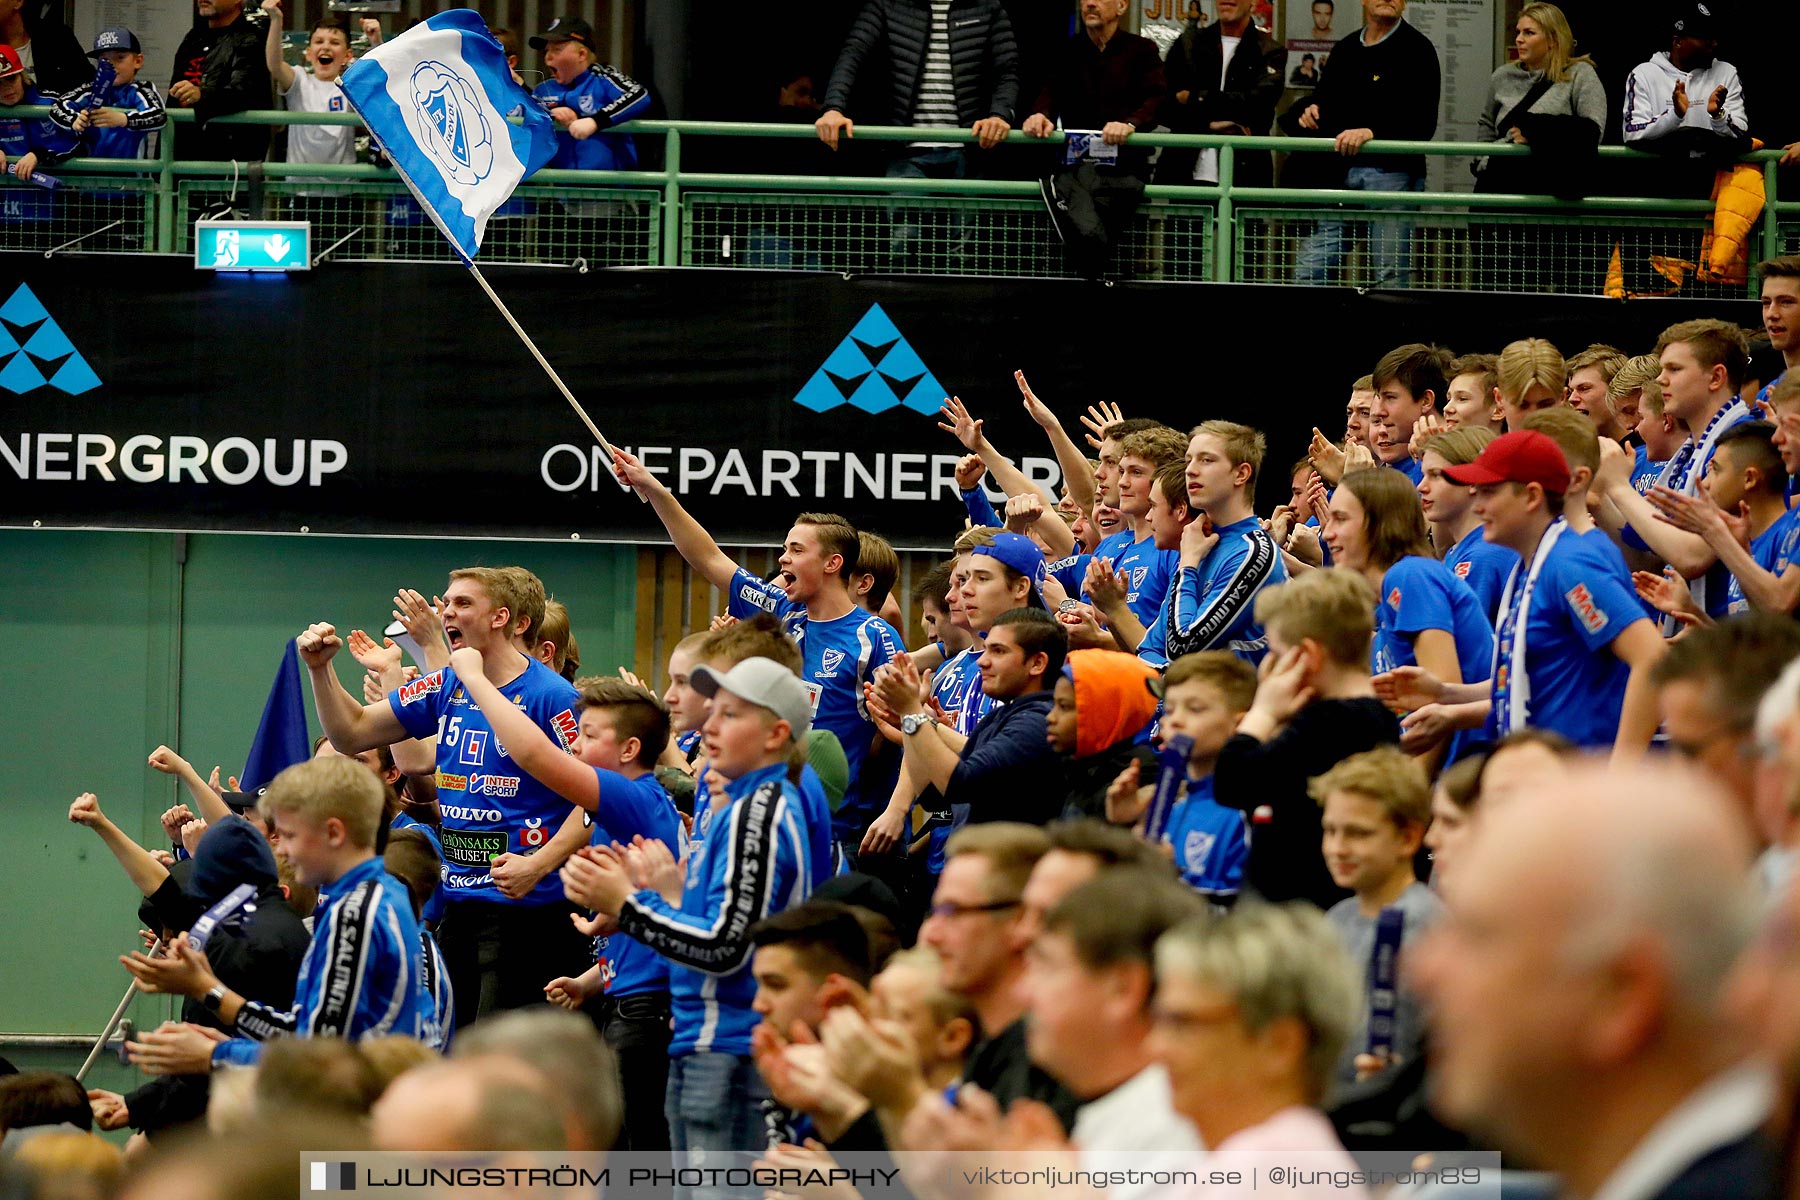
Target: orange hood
x=1112 y=697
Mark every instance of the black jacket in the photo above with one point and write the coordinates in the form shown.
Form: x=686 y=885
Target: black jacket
x=1089 y=87
x=259 y=959
x=233 y=75
x=1253 y=83
x=1391 y=87
x=1287 y=860
x=984 y=59
x=1008 y=770
x=57 y=59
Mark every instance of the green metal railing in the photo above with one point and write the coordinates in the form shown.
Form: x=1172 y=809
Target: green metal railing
x=669 y=216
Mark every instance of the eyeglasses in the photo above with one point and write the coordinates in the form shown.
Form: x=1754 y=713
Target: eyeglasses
x=950 y=908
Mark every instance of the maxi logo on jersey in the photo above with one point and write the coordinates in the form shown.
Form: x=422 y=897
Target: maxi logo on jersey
x=35 y=352
x=873 y=369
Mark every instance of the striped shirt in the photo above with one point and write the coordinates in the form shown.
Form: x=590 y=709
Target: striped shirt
x=935 y=106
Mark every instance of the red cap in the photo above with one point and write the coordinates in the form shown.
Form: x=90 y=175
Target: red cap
x=10 y=63
x=1523 y=456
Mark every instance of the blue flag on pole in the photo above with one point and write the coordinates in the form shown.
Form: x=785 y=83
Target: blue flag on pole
x=436 y=99
x=281 y=739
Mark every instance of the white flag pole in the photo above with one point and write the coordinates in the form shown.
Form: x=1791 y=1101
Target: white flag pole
x=545 y=363
x=118 y=1015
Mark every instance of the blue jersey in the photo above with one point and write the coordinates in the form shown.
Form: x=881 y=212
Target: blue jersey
x=38 y=135
x=1644 y=473
x=628 y=808
x=980 y=508
x=1775 y=549
x=1583 y=600
x=957 y=687
x=609 y=96
x=363 y=975
x=685 y=743
x=1419 y=593
x=1410 y=467
x=490 y=805
x=440 y=998
x=1214 y=606
x=1110 y=548
x=1145 y=571
x=139 y=100
x=751 y=866
x=1071 y=572
x=1211 y=842
x=1485 y=567
x=840 y=657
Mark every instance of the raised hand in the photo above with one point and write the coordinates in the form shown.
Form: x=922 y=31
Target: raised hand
x=168 y=762
x=375 y=658
x=1098 y=418
x=1036 y=409
x=1023 y=511
x=173 y=819
x=969 y=470
x=318 y=644
x=421 y=617
x=191 y=833
x=957 y=421
x=86 y=811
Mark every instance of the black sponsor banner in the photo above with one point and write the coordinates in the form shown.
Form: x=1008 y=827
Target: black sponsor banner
x=392 y=399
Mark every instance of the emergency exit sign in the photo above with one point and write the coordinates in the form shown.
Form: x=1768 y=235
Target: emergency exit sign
x=253 y=245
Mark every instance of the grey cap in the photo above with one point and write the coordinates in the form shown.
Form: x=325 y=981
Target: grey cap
x=761 y=681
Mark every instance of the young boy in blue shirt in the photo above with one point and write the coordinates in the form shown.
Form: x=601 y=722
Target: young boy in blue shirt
x=29 y=144
x=1573 y=649
x=612 y=776
x=751 y=866
x=584 y=96
x=1203 y=697
x=118 y=123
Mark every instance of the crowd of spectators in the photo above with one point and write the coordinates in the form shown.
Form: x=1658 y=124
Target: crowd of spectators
x=1450 y=804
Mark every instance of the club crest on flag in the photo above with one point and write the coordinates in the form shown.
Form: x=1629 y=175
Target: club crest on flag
x=463 y=144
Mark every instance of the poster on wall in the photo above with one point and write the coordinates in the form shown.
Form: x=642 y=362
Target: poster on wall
x=1312 y=28
x=1463 y=32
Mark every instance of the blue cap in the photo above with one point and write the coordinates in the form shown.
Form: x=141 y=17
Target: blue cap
x=1021 y=554
x=115 y=37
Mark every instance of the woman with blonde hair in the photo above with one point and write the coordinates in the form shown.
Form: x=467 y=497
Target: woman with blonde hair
x=1549 y=99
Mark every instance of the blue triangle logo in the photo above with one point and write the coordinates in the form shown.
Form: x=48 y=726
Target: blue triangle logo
x=873 y=369
x=34 y=351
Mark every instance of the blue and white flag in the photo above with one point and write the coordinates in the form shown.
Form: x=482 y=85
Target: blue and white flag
x=436 y=100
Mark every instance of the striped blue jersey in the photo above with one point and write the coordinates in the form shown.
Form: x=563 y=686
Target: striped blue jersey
x=1214 y=604
x=751 y=865
x=363 y=975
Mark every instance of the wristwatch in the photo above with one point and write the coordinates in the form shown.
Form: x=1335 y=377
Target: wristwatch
x=215 y=996
x=911 y=723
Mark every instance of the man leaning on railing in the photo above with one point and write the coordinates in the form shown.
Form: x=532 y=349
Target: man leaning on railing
x=219 y=69
x=1382 y=82
x=1105 y=85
